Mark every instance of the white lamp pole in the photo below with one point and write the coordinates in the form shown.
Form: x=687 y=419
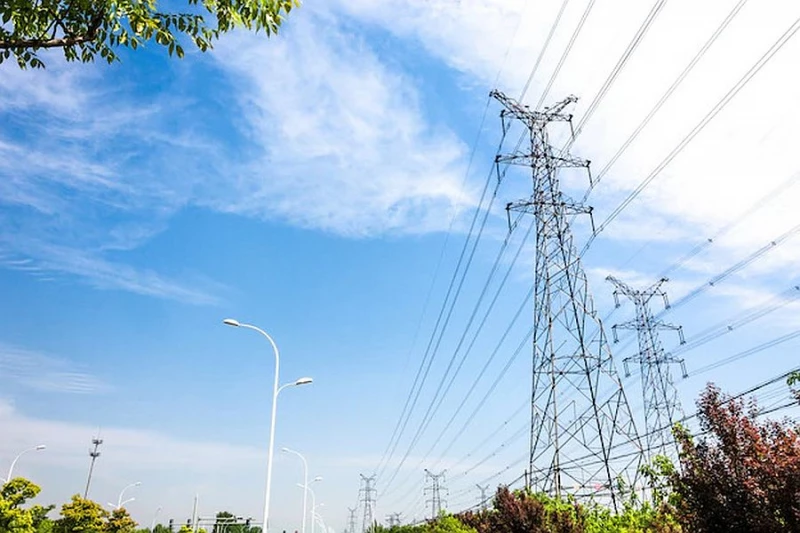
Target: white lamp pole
x=305 y=485
x=14 y=462
x=120 y=503
x=155 y=517
x=275 y=391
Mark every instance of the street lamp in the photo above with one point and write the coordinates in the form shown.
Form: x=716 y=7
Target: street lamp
x=120 y=503
x=275 y=391
x=14 y=462
x=305 y=484
x=313 y=499
x=153 y=523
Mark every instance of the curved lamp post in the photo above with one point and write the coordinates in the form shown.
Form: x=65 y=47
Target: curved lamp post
x=155 y=517
x=305 y=484
x=275 y=391
x=313 y=500
x=120 y=503
x=14 y=462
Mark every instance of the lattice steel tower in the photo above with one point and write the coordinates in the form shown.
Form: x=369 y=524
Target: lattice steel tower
x=368 y=493
x=583 y=437
x=661 y=404
x=351 y=519
x=435 y=490
x=483 y=503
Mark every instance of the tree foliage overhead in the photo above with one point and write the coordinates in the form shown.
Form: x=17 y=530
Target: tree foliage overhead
x=85 y=28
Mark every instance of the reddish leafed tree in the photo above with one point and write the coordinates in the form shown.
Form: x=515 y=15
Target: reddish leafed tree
x=743 y=475
x=521 y=512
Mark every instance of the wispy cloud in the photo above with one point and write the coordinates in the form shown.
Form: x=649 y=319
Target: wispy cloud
x=46 y=373
x=344 y=139
x=738 y=157
x=81 y=169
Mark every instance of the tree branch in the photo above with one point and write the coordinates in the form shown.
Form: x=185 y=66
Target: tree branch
x=56 y=42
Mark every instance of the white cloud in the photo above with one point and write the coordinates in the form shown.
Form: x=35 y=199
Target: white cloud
x=347 y=148
x=82 y=175
x=740 y=156
x=45 y=373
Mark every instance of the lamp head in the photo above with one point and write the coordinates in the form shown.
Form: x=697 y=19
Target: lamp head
x=231 y=322
x=285 y=450
x=137 y=483
x=318 y=478
x=41 y=447
x=303 y=381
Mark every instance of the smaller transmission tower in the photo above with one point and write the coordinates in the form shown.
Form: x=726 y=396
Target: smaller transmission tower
x=94 y=454
x=351 y=520
x=483 y=503
x=661 y=404
x=393 y=519
x=368 y=493
x=435 y=490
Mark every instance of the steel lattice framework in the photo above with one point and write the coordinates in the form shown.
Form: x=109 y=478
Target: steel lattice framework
x=661 y=404
x=368 y=494
x=583 y=438
x=435 y=490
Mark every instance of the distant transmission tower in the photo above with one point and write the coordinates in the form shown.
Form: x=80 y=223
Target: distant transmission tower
x=583 y=436
x=393 y=519
x=368 y=493
x=94 y=454
x=484 y=503
x=435 y=491
x=351 y=520
x=661 y=404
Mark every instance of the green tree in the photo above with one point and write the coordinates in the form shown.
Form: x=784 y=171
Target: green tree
x=120 y=522
x=81 y=516
x=13 y=495
x=185 y=529
x=85 y=28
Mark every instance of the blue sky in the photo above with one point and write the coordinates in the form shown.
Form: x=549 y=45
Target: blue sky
x=319 y=185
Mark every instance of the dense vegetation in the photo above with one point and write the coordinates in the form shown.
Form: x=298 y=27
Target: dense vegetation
x=742 y=475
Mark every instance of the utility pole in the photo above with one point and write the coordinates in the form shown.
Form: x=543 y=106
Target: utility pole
x=94 y=454
x=583 y=436
x=351 y=520
x=662 y=407
x=368 y=493
x=435 y=490
x=484 y=501
x=393 y=519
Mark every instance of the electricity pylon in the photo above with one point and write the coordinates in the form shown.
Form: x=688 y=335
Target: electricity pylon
x=435 y=490
x=583 y=436
x=662 y=407
x=368 y=493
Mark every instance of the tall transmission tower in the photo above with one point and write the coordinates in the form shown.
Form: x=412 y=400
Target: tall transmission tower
x=435 y=490
x=351 y=519
x=661 y=404
x=583 y=435
x=94 y=454
x=368 y=493
x=484 y=501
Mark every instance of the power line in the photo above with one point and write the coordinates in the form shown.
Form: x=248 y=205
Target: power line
x=621 y=62
x=535 y=68
x=567 y=50
x=667 y=94
x=700 y=126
